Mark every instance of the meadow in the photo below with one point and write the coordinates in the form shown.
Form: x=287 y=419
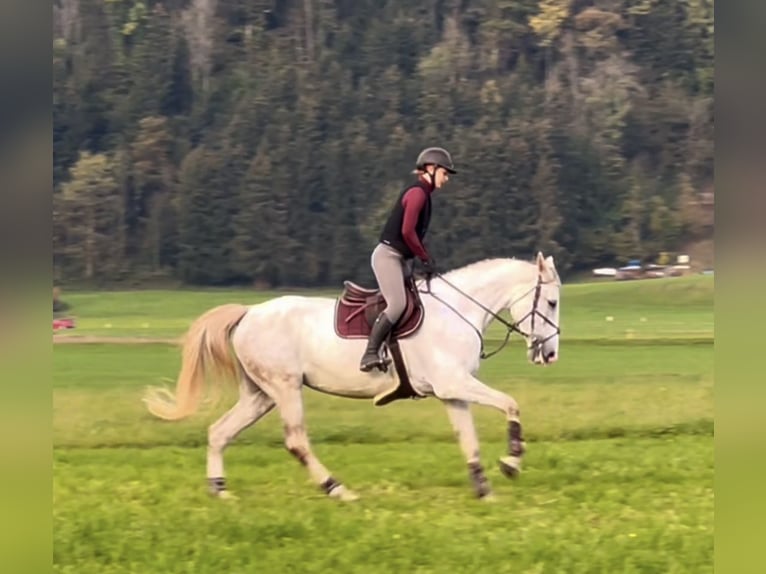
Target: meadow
x=618 y=476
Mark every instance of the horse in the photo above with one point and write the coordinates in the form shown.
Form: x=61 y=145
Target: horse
x=275 y=348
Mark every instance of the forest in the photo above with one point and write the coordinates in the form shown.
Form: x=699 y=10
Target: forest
x=221 y=142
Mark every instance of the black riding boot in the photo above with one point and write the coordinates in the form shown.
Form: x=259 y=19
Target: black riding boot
x=380 y=330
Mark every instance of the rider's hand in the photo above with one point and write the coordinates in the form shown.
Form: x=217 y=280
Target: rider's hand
x=429 y=267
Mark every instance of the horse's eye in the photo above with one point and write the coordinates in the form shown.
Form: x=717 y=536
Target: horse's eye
x=553 y=304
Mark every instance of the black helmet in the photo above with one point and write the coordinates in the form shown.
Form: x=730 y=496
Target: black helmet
x=437 y=156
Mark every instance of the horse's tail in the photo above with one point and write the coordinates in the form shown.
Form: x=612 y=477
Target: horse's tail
x=206 y=351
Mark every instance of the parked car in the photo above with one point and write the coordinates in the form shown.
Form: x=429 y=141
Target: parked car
x=60 y=323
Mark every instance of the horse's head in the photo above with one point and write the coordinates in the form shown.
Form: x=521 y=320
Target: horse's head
x=536 y=312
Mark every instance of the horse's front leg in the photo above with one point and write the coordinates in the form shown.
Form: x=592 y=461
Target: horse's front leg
x=470 y=389
x=462 y=423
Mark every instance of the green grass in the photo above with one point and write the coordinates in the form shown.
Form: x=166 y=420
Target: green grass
x=668 y=308
x=680 y=307
x=151 y=313
x=618 y=475
x=582 y=507
x=98 y=390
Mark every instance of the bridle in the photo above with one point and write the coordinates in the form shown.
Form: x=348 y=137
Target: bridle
x=534 y=342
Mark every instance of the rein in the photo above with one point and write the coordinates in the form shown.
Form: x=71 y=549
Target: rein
x=510 y=327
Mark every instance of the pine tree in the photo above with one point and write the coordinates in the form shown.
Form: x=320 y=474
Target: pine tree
x=261 y=244
x=88 y=217
x=205 y=216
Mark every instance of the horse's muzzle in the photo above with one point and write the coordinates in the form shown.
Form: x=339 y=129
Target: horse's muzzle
x=539 y=356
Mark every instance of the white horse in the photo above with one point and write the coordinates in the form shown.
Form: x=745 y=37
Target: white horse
x=289 y=342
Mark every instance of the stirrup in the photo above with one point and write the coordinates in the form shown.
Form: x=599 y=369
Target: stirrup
x=379 y=363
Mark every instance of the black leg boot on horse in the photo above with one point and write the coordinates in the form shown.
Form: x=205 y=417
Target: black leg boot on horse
x=371 y=358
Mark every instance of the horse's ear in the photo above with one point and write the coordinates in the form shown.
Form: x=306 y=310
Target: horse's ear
x=540 y=261
x=549 y=261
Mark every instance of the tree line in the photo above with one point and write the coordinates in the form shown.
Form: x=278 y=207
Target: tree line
x=238 y=141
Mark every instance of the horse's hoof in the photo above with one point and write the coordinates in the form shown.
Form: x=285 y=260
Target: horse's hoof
x=510 y=466
x=342 y=493
x=226 y=495
x=488 y=497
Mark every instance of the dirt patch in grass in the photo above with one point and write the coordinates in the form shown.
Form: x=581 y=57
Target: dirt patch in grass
x=83 y=339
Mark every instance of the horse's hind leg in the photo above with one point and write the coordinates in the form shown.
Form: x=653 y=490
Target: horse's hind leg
x=288 y=397
x=253 y=404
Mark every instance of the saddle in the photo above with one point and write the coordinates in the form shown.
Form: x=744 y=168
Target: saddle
x=357 y=308
x=355 y=312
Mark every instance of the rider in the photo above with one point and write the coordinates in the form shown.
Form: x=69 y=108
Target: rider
x=401 y=241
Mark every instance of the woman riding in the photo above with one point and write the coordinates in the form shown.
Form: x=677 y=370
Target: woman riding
x=401 y=241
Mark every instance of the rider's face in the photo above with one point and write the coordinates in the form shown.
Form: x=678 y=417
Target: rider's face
x=440 y=176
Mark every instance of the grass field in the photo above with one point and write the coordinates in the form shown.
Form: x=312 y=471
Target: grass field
x=618 y=475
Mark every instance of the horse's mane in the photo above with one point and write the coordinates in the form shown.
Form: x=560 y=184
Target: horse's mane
x=482 y=265
x=479 y=266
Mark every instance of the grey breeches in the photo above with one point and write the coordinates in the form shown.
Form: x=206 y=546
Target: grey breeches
x=388 y=266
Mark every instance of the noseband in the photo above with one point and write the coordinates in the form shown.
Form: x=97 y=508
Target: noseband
x=534 y=312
